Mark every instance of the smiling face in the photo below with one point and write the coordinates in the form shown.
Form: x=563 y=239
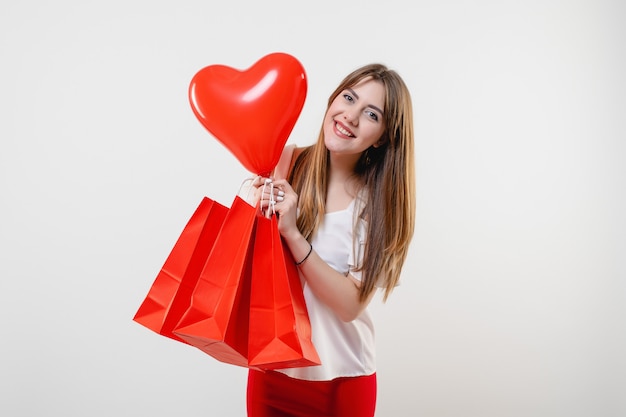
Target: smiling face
x=354 y=120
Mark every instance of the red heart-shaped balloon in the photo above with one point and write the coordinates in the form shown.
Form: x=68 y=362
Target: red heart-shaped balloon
x=251 y=112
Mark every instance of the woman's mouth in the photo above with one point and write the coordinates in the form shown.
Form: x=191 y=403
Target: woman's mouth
x=341 y=129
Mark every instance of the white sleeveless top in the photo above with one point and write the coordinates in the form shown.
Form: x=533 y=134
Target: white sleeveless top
x=345 y=349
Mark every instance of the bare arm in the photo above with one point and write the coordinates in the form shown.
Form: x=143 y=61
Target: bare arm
x=339 y=292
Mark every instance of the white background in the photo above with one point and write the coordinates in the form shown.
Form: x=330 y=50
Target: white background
x=513 y=297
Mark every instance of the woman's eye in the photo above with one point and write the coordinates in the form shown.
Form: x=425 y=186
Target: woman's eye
x=348 y=97
x=372 y=115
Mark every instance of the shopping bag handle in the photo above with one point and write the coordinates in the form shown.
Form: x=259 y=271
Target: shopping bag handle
x=267 y=183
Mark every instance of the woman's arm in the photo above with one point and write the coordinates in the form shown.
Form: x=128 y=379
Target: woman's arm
x=339 y=292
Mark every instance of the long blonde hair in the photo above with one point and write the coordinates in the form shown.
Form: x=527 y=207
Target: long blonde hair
x=387 y=173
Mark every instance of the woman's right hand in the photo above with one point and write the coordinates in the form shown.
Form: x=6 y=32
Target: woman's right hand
x=276 y=197
x=286 y=207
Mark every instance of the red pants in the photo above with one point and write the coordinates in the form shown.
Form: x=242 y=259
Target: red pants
x=273 y=394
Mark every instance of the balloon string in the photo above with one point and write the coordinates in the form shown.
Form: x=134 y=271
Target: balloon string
x=271 y=203
x=272 y=200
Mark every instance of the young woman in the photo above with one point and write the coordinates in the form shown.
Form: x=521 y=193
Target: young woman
x=346 y=211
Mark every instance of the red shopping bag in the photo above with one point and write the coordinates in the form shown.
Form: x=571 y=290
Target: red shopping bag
x=280 y=330
x=216 y=321
x=170 y=294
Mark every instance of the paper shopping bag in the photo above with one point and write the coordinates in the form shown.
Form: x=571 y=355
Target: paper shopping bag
x=280 y=330
x=170 y=294
x=216 y=321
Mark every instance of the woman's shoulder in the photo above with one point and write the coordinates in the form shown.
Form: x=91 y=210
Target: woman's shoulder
x=284 y=163
x=290 y=153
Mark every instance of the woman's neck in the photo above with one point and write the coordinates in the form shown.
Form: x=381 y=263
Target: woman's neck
x=341 y=167
x=342 y=183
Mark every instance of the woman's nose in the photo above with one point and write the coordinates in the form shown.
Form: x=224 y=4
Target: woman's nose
x=350 y=117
